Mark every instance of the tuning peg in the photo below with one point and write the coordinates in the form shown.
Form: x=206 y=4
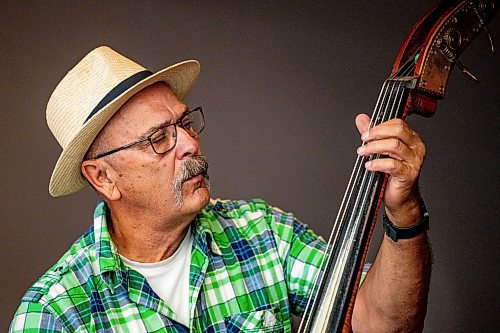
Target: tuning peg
x=490 y=37
x=466 y=71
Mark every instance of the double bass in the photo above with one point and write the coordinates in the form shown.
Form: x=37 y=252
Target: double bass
x=417 y=81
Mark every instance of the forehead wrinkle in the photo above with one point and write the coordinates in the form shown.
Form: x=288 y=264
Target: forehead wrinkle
x=152 y=129
x=152 y=99
x=160 y=98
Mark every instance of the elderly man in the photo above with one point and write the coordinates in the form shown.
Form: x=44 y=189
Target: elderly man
x=162 y=256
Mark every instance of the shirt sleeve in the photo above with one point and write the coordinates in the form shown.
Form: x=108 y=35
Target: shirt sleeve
x=34 y=317
x=302 y=253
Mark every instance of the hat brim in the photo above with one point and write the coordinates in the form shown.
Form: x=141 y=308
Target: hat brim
x=67 y=177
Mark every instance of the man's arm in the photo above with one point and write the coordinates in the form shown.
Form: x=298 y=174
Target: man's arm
x=393 y=297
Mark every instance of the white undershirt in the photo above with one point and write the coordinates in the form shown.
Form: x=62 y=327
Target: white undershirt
x=170 y=278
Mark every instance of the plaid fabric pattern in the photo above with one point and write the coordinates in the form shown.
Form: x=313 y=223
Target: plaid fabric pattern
x=252 y=266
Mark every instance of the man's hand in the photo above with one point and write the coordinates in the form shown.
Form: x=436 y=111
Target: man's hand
x=406 y=151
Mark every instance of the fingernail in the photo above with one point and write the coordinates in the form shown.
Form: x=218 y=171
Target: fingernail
x=368 y=164
x=364 y=136
x=361 y=150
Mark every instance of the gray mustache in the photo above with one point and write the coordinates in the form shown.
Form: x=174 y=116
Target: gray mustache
x=192 y=167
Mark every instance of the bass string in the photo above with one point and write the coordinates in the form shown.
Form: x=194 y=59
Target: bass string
x=335 y=233
x=367 y=177
x=366 y=190
x=397 y=90
x=360 y=206
x=380 y=103
x=333 y=238
x=395 y=108
x=388 y=113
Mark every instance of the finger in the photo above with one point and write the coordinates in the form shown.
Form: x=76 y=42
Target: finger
x=392 y=147
x=395 y=168
x=395 y=128
x=362 y=123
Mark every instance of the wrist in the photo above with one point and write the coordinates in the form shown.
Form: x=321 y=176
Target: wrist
x=396 y=232
x=406 y=215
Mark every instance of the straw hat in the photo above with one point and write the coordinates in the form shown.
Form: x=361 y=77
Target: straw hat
x=89 y=95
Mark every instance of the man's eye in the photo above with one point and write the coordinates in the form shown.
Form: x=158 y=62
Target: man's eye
x=158 y=139
x=187 y=123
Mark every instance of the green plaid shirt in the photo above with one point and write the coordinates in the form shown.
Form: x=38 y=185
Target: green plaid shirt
x=252 y=266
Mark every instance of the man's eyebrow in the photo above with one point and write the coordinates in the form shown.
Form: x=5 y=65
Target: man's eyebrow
x=153 y=129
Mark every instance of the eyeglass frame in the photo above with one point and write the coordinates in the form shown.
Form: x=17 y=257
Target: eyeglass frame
x=148 y=138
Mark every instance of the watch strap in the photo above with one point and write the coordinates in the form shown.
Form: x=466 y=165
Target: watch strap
x=395 y=233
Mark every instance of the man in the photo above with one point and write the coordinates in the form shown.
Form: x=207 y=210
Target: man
x=163 y=256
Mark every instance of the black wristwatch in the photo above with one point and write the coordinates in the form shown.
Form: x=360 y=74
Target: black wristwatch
x=396 y=233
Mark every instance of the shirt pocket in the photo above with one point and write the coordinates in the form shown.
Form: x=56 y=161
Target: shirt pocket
x=256 y=321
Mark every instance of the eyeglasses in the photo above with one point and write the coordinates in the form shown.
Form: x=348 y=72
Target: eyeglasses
x=164 y=138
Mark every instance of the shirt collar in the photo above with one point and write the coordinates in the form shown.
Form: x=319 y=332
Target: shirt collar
x=203 y=234
x=108 y=259
x=109 y=264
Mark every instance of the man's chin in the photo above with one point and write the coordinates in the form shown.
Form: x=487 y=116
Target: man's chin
x=202 y=192
x=196 y=189
x=196 y=200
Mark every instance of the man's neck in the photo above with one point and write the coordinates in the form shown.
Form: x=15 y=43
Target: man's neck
x=146 y=238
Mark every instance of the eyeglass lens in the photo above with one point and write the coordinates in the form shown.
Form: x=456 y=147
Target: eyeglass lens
x=165 y=138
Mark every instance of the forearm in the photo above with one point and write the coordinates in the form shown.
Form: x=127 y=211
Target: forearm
x=393 y=297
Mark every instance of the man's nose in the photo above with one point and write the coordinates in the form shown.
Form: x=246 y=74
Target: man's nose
x=187 y=146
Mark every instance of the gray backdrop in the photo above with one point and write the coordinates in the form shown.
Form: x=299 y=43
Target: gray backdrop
x=281 y=84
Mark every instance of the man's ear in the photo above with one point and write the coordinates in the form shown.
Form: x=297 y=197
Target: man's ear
x=102 y=177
